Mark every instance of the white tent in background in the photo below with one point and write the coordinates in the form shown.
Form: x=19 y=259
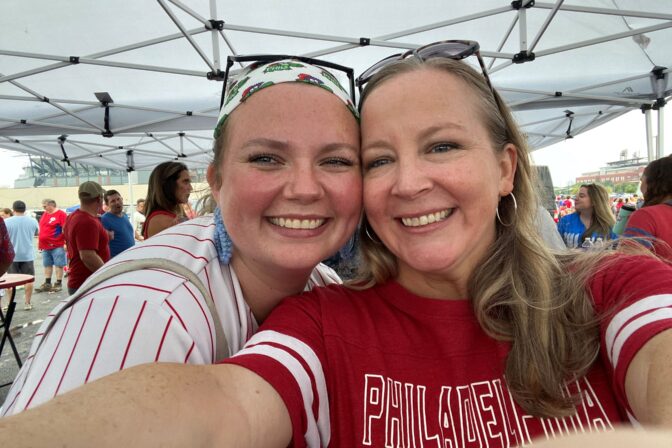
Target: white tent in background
x=564 y=67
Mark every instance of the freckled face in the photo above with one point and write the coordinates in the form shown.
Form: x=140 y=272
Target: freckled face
x=291 y=189
x=432 y=178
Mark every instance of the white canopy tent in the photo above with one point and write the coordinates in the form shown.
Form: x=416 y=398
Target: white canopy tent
x=564 y=67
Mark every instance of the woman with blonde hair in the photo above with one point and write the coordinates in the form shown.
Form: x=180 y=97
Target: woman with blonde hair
x=463 y=328
x=592 y=219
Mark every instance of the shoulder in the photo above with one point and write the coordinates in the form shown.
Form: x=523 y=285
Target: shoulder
x=190 y=246
x=625 y=279
x=157 y=213
x=322 y=275
x=184 y=243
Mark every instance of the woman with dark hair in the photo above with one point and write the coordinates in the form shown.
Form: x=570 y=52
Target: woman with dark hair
x=652 y=224
x=593 y=218
x=285 y=178
x=169 y=187
x=463 y=329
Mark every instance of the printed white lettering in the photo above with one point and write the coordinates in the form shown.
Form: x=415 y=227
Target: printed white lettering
x=481 y=414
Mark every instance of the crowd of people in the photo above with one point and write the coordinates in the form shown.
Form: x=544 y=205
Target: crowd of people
x=98 y=229
x=461 y=326
x=593 y=218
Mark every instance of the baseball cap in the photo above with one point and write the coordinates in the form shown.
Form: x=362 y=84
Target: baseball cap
x=90 y=190
x=19 y=206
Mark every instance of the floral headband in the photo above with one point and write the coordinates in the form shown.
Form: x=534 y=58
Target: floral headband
x=260 y=75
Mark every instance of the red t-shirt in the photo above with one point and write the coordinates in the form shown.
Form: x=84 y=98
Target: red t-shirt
x=384 y=367
x=654 y=222
x=84 y=232
x=51 y=230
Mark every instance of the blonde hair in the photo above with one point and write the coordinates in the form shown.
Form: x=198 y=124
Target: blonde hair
x=520 y=292
x=603 y=219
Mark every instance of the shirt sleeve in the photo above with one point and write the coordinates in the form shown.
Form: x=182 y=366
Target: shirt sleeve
x=6 y=248
x=288 y=352
x=633 y=299
x=641 y=227
x=94 y=338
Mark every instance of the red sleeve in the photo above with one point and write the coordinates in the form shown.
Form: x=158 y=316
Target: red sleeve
x=633 y=297
x=640 y=224
x=62 y=217
x=6 y=248
x=288 y=352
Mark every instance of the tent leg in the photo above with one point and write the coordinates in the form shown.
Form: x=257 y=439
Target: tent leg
x=661 y=133
x=649 y=136
x=130 y=198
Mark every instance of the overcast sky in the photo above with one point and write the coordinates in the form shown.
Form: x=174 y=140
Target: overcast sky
x=567 y=160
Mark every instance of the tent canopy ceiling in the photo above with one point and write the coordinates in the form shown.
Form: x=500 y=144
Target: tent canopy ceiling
x=593 y=61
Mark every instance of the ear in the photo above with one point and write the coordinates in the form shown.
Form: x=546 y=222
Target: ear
x=213 y=181
x=507 y=164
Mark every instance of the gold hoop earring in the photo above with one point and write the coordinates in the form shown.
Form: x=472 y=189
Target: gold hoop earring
x=515 y=210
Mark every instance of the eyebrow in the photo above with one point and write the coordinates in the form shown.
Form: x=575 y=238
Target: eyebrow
x=424 y=134
x=284 y=146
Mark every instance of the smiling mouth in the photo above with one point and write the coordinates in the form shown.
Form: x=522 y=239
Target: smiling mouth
x=423 y=220
x=304 y=224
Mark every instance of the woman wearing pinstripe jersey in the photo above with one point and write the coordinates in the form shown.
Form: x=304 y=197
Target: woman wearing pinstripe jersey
x=288 y=195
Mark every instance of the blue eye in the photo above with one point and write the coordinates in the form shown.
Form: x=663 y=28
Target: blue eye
x=338 y=161
x=443 y=147
x=376 y=163
x=263 y=159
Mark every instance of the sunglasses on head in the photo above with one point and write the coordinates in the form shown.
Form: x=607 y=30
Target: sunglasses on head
x=450 y=49
x=260 y=59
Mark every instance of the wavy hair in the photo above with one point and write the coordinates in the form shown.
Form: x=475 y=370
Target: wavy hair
x=520 y=292
x=658 y=177
x=602 y=220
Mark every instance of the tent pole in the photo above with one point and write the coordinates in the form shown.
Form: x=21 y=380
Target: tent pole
x=130 y=198
x=649 y=135
x=661 y=132
x=215 y=37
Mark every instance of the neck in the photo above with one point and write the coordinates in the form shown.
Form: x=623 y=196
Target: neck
x=18 y=214
x=91 y=209
x=264 y=287
x=586 y=217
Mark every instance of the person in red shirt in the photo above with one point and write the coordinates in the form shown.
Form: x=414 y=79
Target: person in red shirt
x=6 y=249
x=87 y=240
x=652 y=224
x=50 y=243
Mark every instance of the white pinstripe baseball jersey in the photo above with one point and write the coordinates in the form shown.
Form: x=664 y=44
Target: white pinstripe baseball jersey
x=142 y=316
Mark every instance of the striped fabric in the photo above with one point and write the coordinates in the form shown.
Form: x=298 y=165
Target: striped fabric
x=142 y=316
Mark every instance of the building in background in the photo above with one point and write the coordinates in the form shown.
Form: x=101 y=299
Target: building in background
x=625 y=170
x=46 y=172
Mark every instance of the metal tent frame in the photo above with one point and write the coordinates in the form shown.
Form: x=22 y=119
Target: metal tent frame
x=560 y=74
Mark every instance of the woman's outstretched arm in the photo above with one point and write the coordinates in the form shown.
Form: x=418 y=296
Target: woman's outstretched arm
x=648 y=383
x=158 y=405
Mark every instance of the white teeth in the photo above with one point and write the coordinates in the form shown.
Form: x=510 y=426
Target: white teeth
x=297 y=223
x=426 y=219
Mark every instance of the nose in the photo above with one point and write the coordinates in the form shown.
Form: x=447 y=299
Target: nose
x=303 y=184
x=411 y=180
